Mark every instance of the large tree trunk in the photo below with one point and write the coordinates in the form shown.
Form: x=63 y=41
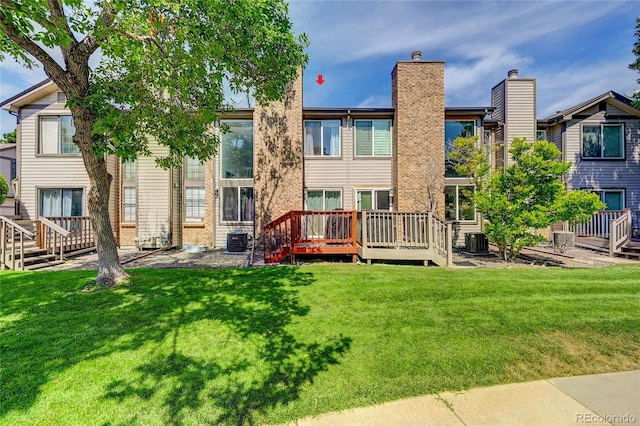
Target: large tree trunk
x=110 y=271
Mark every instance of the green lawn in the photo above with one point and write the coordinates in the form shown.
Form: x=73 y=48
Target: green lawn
x=274 y=344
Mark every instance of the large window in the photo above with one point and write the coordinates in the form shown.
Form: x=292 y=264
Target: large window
x=194 y=199
x=56 y=135
x=459 y=206
x=322 y=138
x=454 y=129
x=236 y=150
x=373 y=138
x=372 y=199
x=61 y=202
x=603 y=141
x=129 y=189
x=324 y=200
x=237 y=204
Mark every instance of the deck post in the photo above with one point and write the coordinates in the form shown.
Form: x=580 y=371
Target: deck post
x=3 y=248
x=449 y=244
x=430 y=230
x=365 y=230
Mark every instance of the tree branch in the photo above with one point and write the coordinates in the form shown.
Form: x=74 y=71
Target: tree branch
x=60 y=20
x=51 y=67
x=106 y=19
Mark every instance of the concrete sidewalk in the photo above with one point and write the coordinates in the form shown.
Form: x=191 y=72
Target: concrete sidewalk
x=612 y=398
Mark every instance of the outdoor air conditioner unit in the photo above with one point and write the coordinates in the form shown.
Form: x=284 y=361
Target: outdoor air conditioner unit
x=237 y=242
x=476 y=242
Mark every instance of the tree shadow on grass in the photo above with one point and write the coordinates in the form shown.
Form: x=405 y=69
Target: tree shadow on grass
x=219 y=343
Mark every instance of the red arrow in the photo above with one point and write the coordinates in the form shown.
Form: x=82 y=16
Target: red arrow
x=320 y=80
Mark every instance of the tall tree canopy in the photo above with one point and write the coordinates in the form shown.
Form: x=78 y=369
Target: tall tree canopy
x=135 y=69
x=636 y=64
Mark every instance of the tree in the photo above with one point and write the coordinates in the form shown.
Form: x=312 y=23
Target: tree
x=4 y=189
x=162 y=69
x=9 y=137
x=528 y=195
x=636 y=65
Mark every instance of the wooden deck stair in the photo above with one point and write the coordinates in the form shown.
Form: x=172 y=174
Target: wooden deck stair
x=38 y=244
x=630 y=251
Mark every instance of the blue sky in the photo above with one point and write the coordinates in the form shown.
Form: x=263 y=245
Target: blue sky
x=575 y=49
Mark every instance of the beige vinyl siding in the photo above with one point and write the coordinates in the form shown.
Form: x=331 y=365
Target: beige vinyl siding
x=520 y=117
x=114 y=195
x=348 y=172
x=603 y=173
x=7 y=156
x=55 y=171
x=154 y=208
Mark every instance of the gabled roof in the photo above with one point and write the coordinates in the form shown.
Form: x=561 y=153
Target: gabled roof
x=28 y=96
x=620 y=101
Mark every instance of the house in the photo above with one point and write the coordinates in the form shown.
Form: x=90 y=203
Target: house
x=9 y=171
x=287 y=157
x=601 y=138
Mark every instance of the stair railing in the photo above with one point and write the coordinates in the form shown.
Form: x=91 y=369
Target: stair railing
x=53 y=237
x=620 y=231
x=12 y=235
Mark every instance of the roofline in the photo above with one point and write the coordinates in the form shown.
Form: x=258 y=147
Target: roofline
x=33 y=88
x=568 y=113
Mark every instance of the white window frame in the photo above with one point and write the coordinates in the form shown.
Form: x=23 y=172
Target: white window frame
x=129 y=182
x=322 y=154
x=324 y=197
x=238 y=190
x=602 y=126
x=374 y=198
x=457 y=205
x=373 y=138
x=40 y=147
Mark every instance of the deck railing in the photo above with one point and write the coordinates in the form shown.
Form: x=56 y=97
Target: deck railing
x=80 y=231
x=302 y=231
x=53 y=237
x=598 y=225
x=620 y=232
x=12 y=243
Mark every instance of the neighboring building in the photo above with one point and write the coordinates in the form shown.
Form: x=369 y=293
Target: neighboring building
x=285 y=157
x=8 y=169
x=601 y=138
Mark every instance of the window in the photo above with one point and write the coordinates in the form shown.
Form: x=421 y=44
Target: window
x=322 y=138
x=459 y=206
x=236 y=151
x=129 y=190
x=194 y=204
x=603 y=141
x=237 y=204
x=613 y=198
x=56 y=135
x=454 y=129
x=372 y=199
x=129 y=204
x=14 y=171
x=373 y=138
x=61 y=202
x=324 y=200
x=541 y=135
x=194 y=198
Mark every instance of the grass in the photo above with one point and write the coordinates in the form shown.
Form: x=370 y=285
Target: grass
x=275 y=344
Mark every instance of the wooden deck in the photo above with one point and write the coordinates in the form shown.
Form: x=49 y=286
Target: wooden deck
x=370 y=235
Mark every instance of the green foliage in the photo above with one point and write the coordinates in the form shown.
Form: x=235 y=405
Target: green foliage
x=9 y=137
x=636 y=64
x=4 y=189
x=164 y=65
x=470 y=159
x=528 y=195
